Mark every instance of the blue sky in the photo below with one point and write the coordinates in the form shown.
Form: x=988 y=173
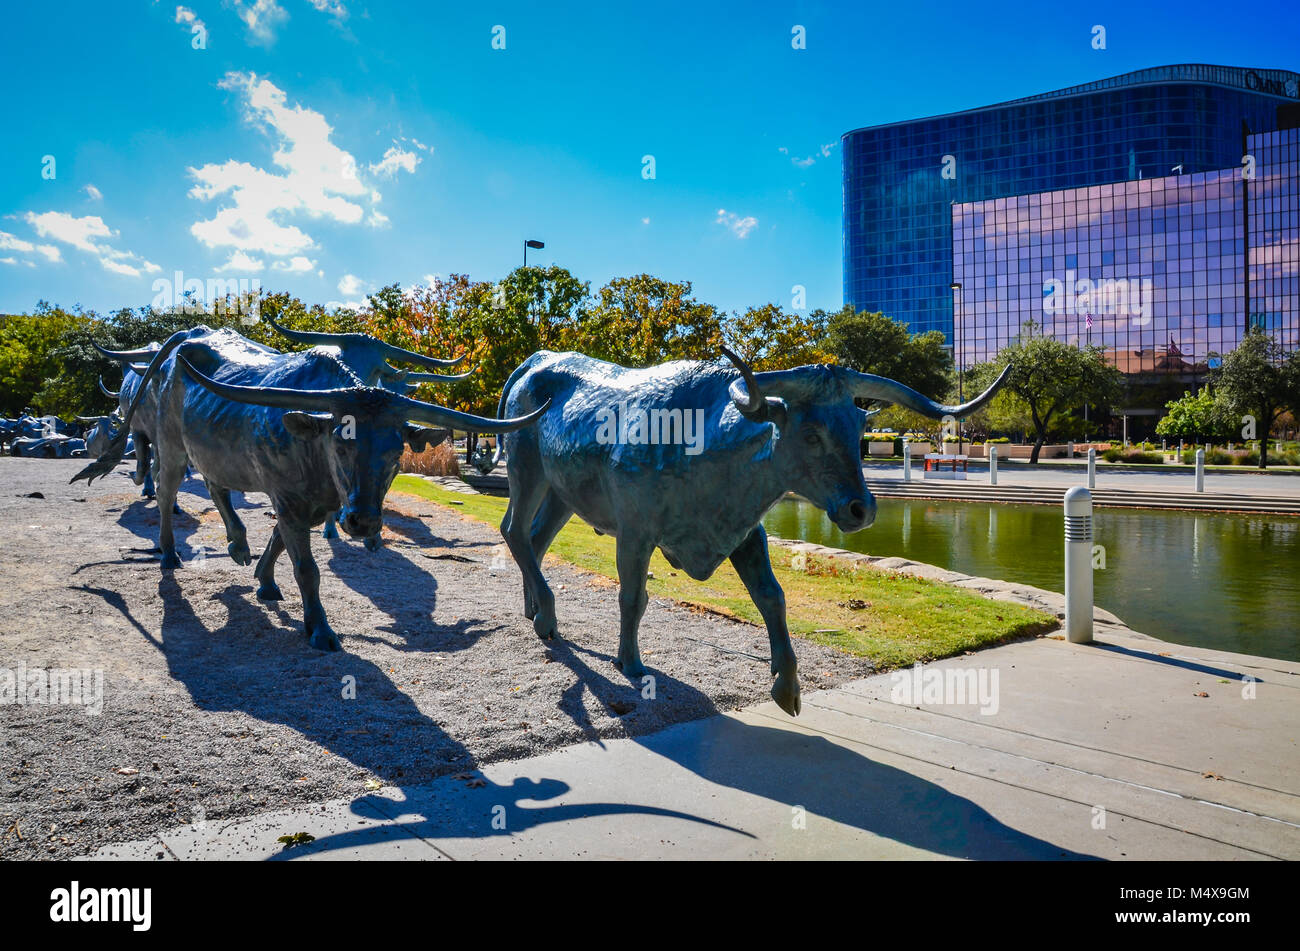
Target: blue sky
x=329 y=147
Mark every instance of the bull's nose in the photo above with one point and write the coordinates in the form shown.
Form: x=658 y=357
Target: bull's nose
x=360 y=526
x=856 y=514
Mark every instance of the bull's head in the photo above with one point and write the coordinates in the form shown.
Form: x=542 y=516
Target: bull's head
x=99 y=434
x=363 y=431
x=819 y=428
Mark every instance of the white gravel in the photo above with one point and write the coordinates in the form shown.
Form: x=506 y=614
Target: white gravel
x=214 y=706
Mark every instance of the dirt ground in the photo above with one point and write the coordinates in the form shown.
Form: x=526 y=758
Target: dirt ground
x=215 y=707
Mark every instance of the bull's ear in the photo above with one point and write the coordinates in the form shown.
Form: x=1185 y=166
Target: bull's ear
x=422 y=437
x=307 y=425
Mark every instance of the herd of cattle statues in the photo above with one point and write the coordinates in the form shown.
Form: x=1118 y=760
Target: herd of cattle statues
x=686 y=457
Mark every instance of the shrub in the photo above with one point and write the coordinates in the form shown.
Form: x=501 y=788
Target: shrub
x=440 y=460
x=1134 y=456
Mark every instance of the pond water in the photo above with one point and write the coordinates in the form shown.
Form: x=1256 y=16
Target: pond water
x=1229 y=582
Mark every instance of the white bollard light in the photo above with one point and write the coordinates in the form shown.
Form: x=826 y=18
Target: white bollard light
x=1092 y=468
x=993 y=464
x=907 y=460
x=1200 y=470
x=1069 y=450
x=1078 y=565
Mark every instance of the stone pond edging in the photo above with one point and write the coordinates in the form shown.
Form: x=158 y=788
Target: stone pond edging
x=1038 y=598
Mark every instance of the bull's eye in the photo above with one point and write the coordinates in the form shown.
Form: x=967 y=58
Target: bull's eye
x=811 y=439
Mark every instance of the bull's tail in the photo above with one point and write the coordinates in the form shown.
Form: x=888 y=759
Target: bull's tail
x=500 y=449
x=117 y=446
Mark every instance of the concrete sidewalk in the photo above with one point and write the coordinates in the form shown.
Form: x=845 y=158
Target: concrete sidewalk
x=1129 y=748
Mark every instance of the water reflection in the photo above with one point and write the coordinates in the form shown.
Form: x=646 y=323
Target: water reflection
x=1222 y=581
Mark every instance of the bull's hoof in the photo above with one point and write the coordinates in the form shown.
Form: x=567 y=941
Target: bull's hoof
x=323 y=639
x=331 y=530
x=786 y=693
x=546 y=627
x=170 y=560
x=269 y=591
x=239 y=552
x=632 y=669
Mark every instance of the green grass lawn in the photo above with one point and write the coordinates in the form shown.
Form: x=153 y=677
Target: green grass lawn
x=891 y=618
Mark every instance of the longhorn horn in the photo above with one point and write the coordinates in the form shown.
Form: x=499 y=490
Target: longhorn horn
x=414 y=379
x=410 y=356
x=125 y=356
x=313 y=337
x=747 y=395
x=107 y=392
x=345 y=398
x=318 y=338
x=139 y=368
x=868 y=386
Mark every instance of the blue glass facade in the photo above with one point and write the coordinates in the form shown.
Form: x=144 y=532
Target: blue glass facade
x=1162 y=272
x=902 y=180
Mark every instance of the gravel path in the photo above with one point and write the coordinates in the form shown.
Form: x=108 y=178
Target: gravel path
x=214 y=706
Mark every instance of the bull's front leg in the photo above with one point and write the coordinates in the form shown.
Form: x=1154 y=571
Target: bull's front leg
x=331 y=529
x=633 y=558
x=236 y=534
x=751 y=562
x=267 y=589
x=297 y=542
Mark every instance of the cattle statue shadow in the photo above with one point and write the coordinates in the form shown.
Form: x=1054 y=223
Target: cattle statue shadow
x=140 y=517
x=339 y=701
x=788 y=767
x=415 y=531
x=390 y=579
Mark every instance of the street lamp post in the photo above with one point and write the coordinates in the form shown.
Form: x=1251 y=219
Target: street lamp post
x=956 y=347
x=536 y=245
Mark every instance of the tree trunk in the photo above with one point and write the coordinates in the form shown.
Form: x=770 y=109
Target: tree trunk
x=1038 y=445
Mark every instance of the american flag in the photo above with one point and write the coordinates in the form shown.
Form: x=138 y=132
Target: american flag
x=1088 y=321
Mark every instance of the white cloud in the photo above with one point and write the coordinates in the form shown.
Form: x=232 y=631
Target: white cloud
x=294 y=265
x=87 y=234
x=9 y=242
x=395 y=159
x=261 y=17
x=350 y=285
x=645 y=221
x=94 y=193
x=187 y=17
x=740 y=227
x=239 y=261
x=333 y=7
x=15 y=262
x=824 y=151
x=319 y=179
x=377 y=219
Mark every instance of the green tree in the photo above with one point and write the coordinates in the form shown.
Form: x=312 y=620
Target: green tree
x=643 y=320
x=1052 y=377
x=32 y=358
x=770 y=338
x=874 y=343
x=1258 y=380
x=1197 y=417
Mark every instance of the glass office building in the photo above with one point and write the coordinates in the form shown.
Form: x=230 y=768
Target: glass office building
x=1162 y=272
x=903 y=183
